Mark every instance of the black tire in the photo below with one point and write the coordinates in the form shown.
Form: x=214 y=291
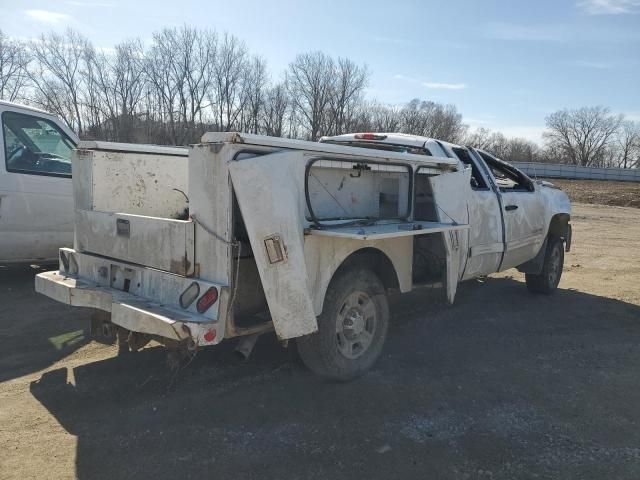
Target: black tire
x=352 y=328
x=547 y=281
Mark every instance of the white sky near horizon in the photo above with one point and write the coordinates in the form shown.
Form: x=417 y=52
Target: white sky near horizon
x=505 y=64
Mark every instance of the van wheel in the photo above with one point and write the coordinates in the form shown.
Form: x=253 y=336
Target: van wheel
x=351 y=329
x=547 y=281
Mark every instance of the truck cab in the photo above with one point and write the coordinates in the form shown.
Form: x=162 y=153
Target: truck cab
x=36 y=195
x=509 y=214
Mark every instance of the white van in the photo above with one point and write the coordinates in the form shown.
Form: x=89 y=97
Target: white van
x=36 y=195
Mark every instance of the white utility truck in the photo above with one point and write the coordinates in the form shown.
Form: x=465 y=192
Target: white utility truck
x=36 y=198
x=253 y=233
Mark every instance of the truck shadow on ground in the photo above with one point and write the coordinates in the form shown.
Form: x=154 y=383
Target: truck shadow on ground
x=29 y=340
x=503 y=384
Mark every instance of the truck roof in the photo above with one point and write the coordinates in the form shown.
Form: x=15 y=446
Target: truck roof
x=286 y=143
x=401 y=142
x=389 y=138
x=24 y=107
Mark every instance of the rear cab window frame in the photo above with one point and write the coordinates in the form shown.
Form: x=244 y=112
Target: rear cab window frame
x=476 y=170
x=524 y=183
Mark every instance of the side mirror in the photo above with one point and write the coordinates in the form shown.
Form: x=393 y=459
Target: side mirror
x=474 y=183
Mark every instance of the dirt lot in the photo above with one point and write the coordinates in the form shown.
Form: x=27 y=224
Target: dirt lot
x=620 y=194
x=501 y=385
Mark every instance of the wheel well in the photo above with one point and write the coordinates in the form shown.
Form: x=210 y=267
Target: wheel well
x=559 y=225
x=374 y=260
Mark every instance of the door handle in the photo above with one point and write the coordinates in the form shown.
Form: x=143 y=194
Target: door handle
x=508 y=208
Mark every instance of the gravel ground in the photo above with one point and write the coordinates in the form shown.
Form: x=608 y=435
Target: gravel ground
x=501 y=385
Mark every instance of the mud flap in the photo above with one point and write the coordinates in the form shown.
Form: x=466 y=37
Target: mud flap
x=270 y=194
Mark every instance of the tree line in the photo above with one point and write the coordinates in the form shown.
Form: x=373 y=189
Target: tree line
x=187 y=81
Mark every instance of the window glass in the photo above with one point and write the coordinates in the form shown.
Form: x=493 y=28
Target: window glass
x=35 y=145
x=508 y=178
x=477 y=182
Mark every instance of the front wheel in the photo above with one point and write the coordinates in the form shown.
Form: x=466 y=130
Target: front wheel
x=548 y=279
x=351 y=329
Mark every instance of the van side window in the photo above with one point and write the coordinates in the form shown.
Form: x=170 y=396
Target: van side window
x=35 y=145
x=477 y=181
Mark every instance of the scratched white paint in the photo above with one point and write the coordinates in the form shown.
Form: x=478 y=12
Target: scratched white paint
x=142 y=183
x=270 y=193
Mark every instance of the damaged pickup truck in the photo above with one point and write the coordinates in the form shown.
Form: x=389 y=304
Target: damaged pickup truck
x=252 y=234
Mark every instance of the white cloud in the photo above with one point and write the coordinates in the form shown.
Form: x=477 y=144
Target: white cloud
x=516 y=32
x=45 y=16
x=77 y=3
x=445 y=86
x=609 y=7
x=399 y=76
x=529 y=132
x=592 y=64
x=436 y=85
x=633 y=116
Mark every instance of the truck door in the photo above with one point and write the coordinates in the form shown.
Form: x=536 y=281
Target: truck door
x=270 y=193
x=36 y=197
x=523 y=212
x=486 y=232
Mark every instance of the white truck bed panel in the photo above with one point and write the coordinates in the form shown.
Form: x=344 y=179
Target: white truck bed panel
x=160 y=243
x=387 y=230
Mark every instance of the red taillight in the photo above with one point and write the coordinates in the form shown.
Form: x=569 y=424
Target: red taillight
x=210 y=336
x=189 y=295
x=209 y=298
x=369 y=136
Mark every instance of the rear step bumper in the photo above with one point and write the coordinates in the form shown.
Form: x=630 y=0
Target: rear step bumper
x=130 y=311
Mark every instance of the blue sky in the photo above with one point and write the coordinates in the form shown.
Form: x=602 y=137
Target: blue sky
x=504 y=64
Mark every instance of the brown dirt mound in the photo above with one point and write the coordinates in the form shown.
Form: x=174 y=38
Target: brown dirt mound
x=601 y=192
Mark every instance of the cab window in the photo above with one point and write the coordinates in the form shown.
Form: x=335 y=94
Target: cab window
x=35 y=145
x=477 y=181
x=508 y=178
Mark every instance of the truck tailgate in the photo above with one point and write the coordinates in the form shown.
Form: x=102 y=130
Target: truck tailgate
x=161 y=243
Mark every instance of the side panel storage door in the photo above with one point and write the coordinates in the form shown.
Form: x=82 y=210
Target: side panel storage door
x=270 y=192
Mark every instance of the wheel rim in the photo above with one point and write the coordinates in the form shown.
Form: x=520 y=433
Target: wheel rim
x=356 y=324
x=554 y=266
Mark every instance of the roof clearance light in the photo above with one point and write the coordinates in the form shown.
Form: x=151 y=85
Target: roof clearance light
x=369 y=136
x=209 y=298
x=189 y=295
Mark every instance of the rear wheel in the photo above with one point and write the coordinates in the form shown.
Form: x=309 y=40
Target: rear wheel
x=547 y=281
x=351 y=329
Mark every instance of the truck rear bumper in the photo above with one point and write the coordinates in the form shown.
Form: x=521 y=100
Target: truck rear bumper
x=130 y=311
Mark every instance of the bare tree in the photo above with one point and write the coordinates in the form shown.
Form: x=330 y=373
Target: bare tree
x=432 y=119
x=56 y=74
x=14 y=59
x=228 y=96
x=310 y=80
x=274 y=110
x=164 y=84
x=582 y=136
x=197 y=55
x=350 y=81
x=384 y=118
x=628 y=144
x=255 y=82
